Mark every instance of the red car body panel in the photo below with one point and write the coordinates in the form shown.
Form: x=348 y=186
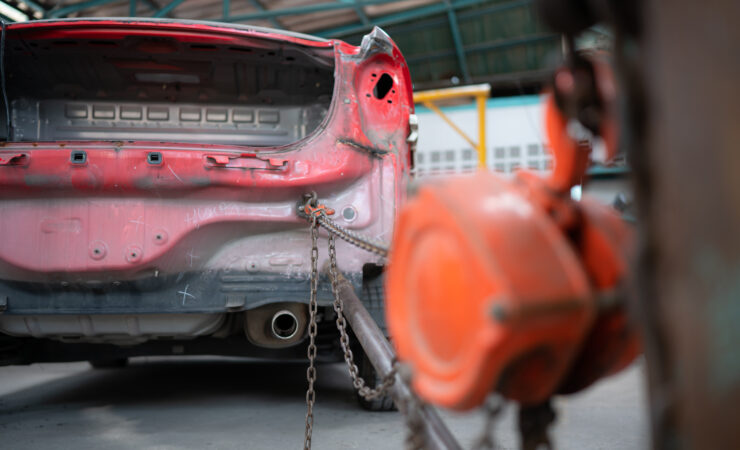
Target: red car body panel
x=91 y=215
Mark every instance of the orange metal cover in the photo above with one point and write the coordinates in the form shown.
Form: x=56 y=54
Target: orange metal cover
x=483 y=289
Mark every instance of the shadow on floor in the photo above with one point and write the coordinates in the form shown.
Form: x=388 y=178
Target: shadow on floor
x=188 y=381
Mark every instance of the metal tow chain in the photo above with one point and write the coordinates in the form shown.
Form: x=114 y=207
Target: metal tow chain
x=310 y=208
x=493 y=407
x=533 y=426
x=415 y=437
x=363 y=242
x=312 y=331
x=365 y=391
x=317 y=214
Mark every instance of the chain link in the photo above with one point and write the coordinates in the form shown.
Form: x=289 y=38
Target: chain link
x=363 y=242
x=493 y=407
x=310 y=209
x=312 y=331
x=415 y=437
x=317 y=215
x=357 y=381
x=533 y=426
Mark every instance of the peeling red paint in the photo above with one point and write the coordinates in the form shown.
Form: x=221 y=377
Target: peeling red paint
x=52 y=209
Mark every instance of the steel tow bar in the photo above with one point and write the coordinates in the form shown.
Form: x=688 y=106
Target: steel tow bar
x=378 y=350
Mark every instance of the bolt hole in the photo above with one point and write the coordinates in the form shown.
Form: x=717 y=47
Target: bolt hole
x=383 y=86
x=96 y=251
x=349 y=214
x=158 y=237
x=133 y=254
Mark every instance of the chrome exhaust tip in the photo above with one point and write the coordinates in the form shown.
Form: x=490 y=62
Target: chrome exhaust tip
x=284 y=325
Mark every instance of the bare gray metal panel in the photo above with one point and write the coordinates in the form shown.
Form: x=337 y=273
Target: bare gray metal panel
x=50 y=120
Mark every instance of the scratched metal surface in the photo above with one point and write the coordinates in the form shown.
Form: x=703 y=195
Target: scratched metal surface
x=204 y=227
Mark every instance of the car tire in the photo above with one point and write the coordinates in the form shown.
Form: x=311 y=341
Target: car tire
x=368 y=373
x=113 y=363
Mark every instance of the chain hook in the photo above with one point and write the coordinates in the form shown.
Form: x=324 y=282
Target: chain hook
x=310 y=198
x=311 y=208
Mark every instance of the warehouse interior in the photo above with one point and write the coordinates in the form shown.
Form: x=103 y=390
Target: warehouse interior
x=378 y=224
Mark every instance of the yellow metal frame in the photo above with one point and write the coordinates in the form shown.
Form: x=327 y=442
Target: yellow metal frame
x=479 y=92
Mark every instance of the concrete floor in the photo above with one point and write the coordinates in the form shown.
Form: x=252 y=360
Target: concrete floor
x=224 y=403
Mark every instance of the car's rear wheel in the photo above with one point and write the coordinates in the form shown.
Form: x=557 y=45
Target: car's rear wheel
x=111 y=363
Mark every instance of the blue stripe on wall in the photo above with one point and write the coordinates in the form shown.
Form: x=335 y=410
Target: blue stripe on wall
x=498 y=102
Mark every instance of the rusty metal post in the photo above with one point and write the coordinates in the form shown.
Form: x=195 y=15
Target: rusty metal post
x=681 y=76
x=381 y=355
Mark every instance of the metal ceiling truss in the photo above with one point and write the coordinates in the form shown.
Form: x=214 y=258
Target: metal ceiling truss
x=271 y=14
x=457 y=39
x=409 y=17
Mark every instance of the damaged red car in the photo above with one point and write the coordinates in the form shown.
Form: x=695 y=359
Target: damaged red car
x=150 y=174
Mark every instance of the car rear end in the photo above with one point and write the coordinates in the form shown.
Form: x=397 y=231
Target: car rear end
x=150 y=178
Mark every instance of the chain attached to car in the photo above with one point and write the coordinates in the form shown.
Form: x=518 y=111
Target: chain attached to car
x=318 y=216
x=311 y=208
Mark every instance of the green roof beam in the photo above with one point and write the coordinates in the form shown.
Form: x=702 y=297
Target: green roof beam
x=168 y=8
x=417 y=13
x=361 y=13
x=402 y=16
x=462 y=16
x=77 y=7
x=484 y=47
x=457 y=40
x=258 y=5
x=305 y=9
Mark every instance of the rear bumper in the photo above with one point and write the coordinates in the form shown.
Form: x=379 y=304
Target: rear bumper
x=208 y=292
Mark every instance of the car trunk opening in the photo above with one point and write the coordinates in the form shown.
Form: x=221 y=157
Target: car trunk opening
x=158 y=87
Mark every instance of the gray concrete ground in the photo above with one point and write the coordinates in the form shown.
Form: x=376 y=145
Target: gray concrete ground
x=229 y=404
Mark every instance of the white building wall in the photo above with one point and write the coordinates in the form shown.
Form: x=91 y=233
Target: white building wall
x=514 y=137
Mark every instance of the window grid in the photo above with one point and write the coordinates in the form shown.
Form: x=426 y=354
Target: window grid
x=505 y=159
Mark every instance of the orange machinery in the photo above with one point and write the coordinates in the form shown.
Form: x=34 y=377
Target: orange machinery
x=510 y=285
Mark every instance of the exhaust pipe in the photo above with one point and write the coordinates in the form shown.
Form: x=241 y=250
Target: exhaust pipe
x=277 y=325
x=284 y=325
